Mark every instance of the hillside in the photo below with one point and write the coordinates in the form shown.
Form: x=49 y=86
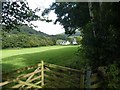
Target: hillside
x=28 y=30
x=27 y=37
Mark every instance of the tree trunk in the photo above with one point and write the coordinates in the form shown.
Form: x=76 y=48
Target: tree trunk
x=90 y=6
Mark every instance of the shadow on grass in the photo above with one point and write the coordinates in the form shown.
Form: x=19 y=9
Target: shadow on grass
x=7 y=74
x=8 y=67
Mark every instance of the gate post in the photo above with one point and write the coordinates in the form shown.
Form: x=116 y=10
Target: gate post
x=88 y=79
x=82 y=79
x=42 y=73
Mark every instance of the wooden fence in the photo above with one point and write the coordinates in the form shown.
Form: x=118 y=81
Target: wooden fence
x=46 y=75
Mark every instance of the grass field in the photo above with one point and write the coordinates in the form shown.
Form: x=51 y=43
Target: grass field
x=17 y=58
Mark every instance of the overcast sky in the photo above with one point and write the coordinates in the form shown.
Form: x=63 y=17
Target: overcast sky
x=45 y=27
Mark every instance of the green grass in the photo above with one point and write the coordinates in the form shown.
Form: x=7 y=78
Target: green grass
x=12 y=52
x=17 y=58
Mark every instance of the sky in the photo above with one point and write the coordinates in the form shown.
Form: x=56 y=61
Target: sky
x=48 y=28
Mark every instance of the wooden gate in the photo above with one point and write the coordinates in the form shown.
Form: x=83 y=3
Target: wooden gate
x=45 y=75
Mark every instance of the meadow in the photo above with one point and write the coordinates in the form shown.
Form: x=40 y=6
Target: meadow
x=13 y=59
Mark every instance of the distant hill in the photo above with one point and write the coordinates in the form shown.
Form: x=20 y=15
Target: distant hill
x=65 y=35
x=30 y=31
x=27 y=30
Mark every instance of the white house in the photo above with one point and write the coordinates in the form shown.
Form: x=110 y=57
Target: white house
x=65 y=42
x=74 y=41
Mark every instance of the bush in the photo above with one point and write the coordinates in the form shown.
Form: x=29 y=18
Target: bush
x=113 y=75
x=24 y=41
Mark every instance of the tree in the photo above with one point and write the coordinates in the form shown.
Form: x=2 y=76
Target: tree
x=102 y=47
x=75 y=14
x=15 y=14
x=78 y=39
x=99 y=24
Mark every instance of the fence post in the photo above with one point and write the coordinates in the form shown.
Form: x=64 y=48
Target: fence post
x=82 y=79
x=88 y=79
x=42 y=73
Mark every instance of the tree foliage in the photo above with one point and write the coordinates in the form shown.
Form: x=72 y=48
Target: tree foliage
x=15 y=14
x=71 y=15
x=103 y=48
x=24 y=40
